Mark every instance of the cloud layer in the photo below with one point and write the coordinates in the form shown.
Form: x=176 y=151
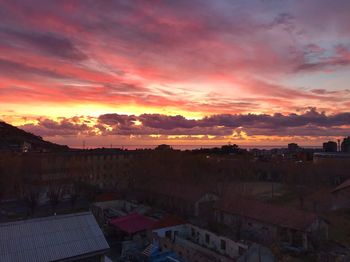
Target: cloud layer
x=223 y=127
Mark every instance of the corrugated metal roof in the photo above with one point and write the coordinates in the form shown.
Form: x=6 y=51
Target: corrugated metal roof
x=51 y=238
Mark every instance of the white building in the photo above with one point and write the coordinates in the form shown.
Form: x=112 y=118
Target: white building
x=193 y=243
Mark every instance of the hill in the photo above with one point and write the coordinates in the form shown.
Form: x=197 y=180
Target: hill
x=15 y=139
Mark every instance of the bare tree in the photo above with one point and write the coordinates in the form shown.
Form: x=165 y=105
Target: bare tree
x=54 y=194
x=75 y=193
x=30 y=196
x=33 y=199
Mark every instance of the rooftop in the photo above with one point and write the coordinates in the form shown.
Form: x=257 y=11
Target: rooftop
x=51 y=238
x=133 y=223
x=268 y=213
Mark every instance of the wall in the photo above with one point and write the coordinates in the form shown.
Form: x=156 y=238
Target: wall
x=201 y=236
x=267 y=233
x=181 y=229
x=204 y=239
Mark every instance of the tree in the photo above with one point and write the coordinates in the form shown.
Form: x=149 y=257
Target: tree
x=88 y=191
x=75 y=193
x=163 y=147
x=54 y=194
x=31 y=198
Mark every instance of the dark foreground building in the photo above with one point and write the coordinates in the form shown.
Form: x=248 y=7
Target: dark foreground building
x=73 y=237
x=330 y=146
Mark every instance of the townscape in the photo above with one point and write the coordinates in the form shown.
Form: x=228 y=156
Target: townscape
x=218 y=204
x=174 y=131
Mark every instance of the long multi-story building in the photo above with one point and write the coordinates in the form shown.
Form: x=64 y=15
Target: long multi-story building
x=105 y=169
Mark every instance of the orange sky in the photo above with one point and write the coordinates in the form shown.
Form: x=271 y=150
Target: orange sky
x=190 y=72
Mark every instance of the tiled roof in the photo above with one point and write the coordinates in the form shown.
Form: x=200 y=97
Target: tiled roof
x=268 y=213
x=51 y=238
x=133 y=223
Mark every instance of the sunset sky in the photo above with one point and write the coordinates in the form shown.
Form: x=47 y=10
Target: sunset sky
x=178 y=72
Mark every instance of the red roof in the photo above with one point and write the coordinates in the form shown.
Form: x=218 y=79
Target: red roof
x=133 y=223
x=267 y=213
x=342 y=186
x=169 y=221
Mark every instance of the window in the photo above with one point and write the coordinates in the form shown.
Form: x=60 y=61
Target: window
x=207 y=238
x=223 y=244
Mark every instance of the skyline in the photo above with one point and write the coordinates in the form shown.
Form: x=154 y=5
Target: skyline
x=194 y=72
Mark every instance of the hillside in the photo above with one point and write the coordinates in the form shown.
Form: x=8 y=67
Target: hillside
x=12 y=139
